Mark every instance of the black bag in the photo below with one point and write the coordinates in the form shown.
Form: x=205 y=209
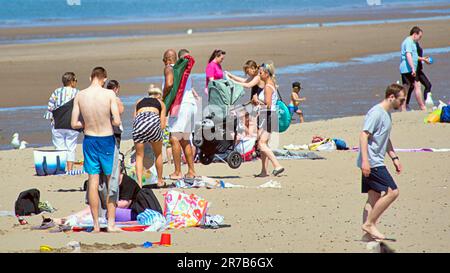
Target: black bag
x=145 y=199
x=62 y=116
x=28 y=202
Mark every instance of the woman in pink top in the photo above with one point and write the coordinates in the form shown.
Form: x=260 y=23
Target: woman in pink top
x=214 y=69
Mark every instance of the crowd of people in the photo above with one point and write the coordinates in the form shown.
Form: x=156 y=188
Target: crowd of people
x=97 y=112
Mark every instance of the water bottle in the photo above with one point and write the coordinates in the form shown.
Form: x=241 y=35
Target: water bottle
x=429 y=102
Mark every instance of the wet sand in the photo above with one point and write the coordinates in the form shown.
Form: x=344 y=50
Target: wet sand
x=318 y=208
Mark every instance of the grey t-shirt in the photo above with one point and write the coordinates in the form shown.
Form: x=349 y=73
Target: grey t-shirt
x=378 y=124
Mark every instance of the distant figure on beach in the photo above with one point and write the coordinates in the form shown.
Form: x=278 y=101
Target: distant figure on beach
x=421 y=78
x=149 y=123
x=96 y=106
x=374 y=143
x=63 y=139
x=214 y=68
x=181 y=127
x=295 y=101
x=268 y=99
x=409 y=61
x=254 y=82
x=115 y=86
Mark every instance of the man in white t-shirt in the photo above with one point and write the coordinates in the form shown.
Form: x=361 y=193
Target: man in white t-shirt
x=181 y=127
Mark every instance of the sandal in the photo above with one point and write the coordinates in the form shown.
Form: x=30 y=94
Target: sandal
x=46 y=224
x=277 y=172
x=260 y=175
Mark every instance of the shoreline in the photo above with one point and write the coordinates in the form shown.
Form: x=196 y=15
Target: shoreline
x=85 y=32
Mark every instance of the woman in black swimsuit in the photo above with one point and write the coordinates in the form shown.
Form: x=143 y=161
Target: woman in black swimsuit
x=148 y=125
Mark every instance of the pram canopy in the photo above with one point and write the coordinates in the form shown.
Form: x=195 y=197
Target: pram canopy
x=223 y=95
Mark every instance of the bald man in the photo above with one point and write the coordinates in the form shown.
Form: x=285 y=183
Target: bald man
x=169 y=60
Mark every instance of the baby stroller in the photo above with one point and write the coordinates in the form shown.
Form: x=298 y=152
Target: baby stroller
x=215 y=136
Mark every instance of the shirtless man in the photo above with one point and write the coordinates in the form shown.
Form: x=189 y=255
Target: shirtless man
x=169 y=60
x=96 y=106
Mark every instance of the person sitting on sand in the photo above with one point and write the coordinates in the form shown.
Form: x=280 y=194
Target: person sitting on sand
x=115 y=86
x=149 y=123
x=268 y=99
x=64 y=139
x=254 y=82
x=374 y=143
x=96 y=105
x=295 y=101
x=214 y=68
x=128 y=190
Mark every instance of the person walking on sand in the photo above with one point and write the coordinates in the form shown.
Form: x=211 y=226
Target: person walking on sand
x=214 y=68
x=63 y=138
x=375 y=142
x=149 y=123
x=295 y=101
x=421 y=78
x=409 y=61
x=181 y=127
x=268 y=99
x=115 y=86
x=99 y=113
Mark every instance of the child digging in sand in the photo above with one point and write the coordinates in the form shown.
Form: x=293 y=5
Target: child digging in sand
x=295 y=101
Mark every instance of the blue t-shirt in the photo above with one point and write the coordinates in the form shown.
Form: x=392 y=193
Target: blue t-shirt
x=378 y=124
x=408 y=45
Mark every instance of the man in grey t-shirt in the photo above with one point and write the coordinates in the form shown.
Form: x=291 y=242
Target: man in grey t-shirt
x=374 y=143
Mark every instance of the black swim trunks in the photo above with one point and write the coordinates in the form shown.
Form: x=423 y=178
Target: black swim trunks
x=379 y=180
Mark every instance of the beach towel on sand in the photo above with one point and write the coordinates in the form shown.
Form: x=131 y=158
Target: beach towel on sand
x=181 y=71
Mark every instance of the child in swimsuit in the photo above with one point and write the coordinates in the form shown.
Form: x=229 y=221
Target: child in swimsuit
x=295 y=101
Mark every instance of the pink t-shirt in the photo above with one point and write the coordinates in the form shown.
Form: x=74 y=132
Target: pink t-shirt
x=213 y=70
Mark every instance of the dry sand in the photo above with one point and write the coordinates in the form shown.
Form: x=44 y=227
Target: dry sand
x=318 y=208
x=30 y=72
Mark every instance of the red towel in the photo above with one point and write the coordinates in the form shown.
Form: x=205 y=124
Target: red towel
x=175 y=107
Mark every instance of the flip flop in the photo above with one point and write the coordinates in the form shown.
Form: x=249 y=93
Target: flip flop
x=164 y=186
x=170 y=178
x=260 y=175
x=46 y=224
x=277 y=172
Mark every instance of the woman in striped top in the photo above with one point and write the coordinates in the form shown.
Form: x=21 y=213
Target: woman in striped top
x=64 y=139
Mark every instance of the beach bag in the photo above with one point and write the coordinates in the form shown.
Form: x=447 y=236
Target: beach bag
x=145 y=199
x=445 y=114
x=340 y=144
x=50 y=162
x=62 y=116
x=28 y=203
x=433 y=117
x=183 y=210
x=284 y=115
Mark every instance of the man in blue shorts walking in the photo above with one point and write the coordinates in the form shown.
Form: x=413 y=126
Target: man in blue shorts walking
x=96 y=106
x=374 y=143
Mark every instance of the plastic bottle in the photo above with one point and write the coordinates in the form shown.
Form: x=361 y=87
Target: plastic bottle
x=429 y=102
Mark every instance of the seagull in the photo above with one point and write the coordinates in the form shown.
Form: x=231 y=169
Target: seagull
x=15 y=141
x=23 y=145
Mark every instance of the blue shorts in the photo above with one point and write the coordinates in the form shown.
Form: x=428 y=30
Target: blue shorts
x=98 y=154
x=292 y=108
x=379 y=180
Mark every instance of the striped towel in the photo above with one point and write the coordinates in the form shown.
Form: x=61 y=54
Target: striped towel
x=151 y=218
x=75 y=172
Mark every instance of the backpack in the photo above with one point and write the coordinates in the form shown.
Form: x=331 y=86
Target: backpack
x=284 y=115
x=145 y=199
x=28 y=203
x=445 y=114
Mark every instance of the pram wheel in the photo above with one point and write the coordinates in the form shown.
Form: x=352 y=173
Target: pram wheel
x=205 y=160
x=234 y=160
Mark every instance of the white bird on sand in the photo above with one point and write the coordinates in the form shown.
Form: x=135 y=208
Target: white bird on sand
x=15 y=142
x=23 y=145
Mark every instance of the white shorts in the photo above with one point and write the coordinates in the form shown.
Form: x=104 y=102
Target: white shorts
x=185 y=120
x=65 y=139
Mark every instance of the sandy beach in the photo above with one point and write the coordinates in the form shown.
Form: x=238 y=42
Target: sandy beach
x=318 y=208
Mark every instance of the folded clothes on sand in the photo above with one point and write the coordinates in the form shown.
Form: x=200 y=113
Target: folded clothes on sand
x=291 y=155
